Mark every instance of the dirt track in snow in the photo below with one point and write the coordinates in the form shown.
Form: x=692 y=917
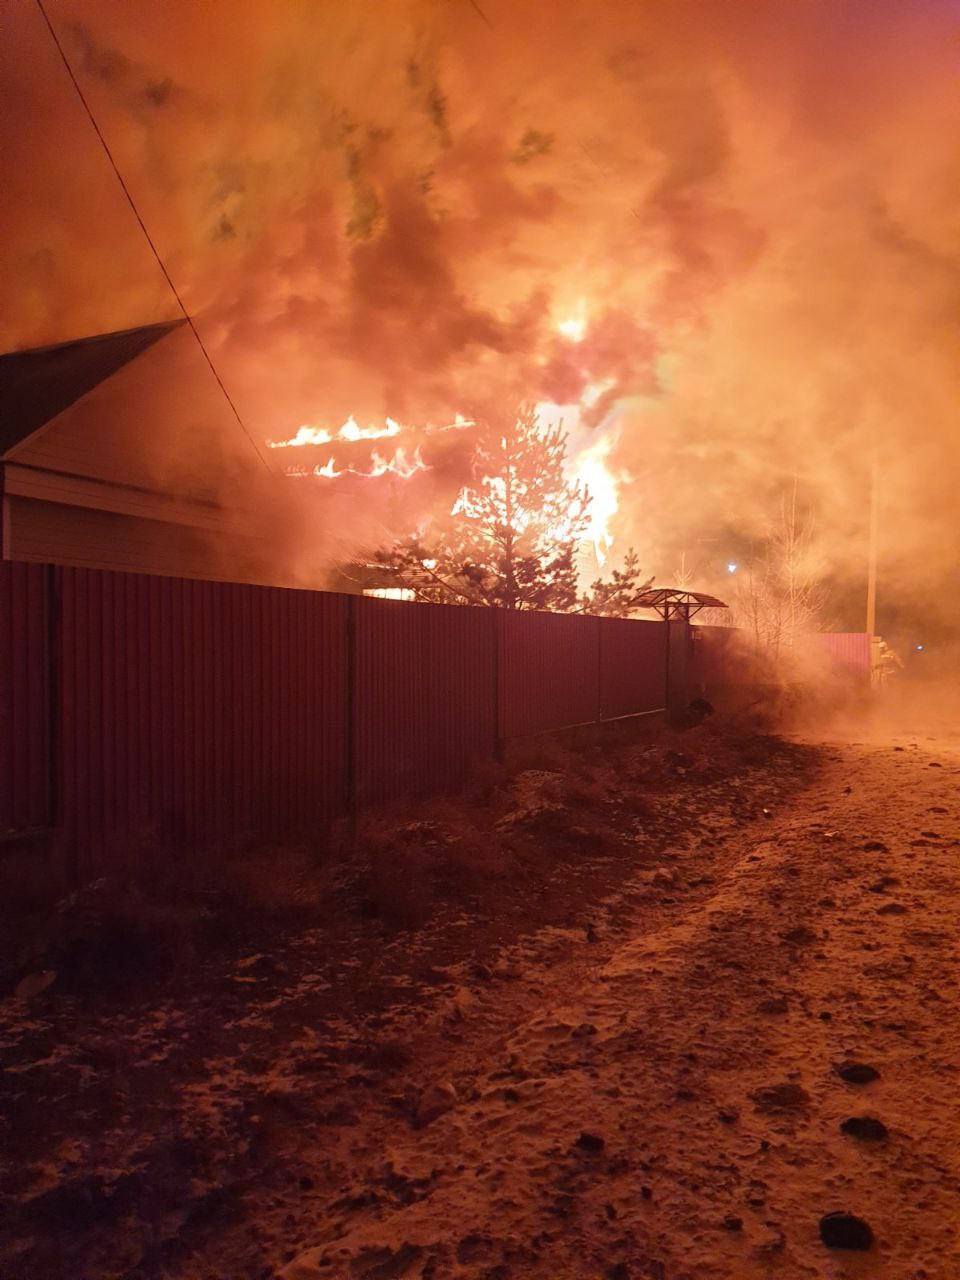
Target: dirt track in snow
x=647 y=1091
x=810 y=950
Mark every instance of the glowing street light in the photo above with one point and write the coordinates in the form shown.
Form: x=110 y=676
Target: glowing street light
x=732 y=567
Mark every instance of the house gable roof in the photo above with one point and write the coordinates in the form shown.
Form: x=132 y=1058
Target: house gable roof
x=38 y=384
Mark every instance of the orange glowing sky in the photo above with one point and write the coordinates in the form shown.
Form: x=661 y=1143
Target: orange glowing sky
x=742 y=215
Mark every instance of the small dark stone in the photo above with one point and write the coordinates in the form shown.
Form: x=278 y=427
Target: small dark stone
x=935 y=764
x=731 y=1223
x=305 y=1183
x=590 y=1142
x=826 y=1016
x=892 y=909
x=857 y=1072
x=585 y=1029
x=869 y=1128
x=646 y=1193
x=728 y=1116
x=875 y=846
x=845 y=1231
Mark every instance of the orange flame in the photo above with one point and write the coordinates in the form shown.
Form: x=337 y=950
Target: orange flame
x=349 y=431
x=400 y=464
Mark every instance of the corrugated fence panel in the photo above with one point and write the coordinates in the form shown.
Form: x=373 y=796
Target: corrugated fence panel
x=850 y=649
x=549 y=672
x=633 y=656
x=194 y=711
x=25 y=777
x=424 y=701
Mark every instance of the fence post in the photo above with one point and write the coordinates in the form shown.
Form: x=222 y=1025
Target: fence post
x=677 y=667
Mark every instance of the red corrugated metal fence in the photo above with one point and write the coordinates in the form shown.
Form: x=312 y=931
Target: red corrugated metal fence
x=633 y=659
x=549 y=672
x=194 y=710
x=850 y=650
x=424 y=690
x=25 y=775
x=144 y=711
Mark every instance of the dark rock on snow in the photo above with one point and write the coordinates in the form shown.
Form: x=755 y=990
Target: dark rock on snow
x=869 y=1128
x=436 y=1101
x=857 y=1072
x=845 y=1231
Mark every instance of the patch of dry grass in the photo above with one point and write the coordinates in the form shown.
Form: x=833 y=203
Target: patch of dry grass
x=509 y=829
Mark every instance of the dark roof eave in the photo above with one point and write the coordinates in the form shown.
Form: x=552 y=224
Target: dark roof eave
x=38 y=384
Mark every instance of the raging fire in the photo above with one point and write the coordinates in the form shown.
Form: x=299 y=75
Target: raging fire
x=588 y=465
x=404 y=462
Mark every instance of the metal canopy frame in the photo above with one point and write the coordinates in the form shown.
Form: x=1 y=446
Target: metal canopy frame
x=673 y=604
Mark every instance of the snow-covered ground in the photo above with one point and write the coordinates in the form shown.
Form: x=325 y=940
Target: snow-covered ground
x=646 y=1088
x=672 y=1107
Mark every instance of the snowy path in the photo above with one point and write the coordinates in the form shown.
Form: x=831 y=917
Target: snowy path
x=665 y=1103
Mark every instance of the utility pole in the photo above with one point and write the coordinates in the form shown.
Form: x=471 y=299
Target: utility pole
x=871 y=627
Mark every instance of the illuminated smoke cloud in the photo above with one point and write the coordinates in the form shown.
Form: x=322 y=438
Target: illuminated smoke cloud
x=738 y=220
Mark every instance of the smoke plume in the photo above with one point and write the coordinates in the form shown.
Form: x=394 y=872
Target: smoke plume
x=748 y=207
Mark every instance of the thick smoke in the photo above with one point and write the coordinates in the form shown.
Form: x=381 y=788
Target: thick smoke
x=389 y=208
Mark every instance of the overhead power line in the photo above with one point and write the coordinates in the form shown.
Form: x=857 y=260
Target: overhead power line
x=149 y=239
